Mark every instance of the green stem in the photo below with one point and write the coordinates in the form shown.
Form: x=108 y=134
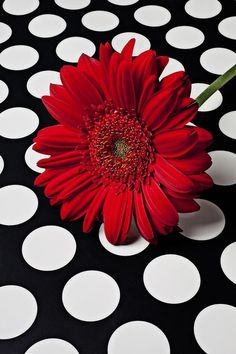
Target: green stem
x=216 y=85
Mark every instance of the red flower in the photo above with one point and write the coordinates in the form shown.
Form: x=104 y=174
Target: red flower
x=122 y=147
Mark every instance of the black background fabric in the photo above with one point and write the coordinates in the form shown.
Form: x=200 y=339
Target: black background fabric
x=52 y=320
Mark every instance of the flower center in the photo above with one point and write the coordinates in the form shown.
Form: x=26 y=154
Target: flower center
x=120 y=146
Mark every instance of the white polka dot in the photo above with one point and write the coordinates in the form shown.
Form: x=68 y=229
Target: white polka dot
x=18 y=57
x=18 y=310
x=227 y=27
x=191 y=124
x=5 y=32
x=91 y=295
x=204 y=224
x=227 y=124
x=203 y=9
x=218 y=60
x=141 y=44
x=18 y=122
x=214 y=329
x=39 y=83
x=184 y=37
x=171 y=278
x=223 y=168
x=49 y=248
x=137 y=243
x=100 y=21
x=23 y=7
x=70 y=49
x=138 y=337
x=32 y=157
x=52 y=346
x=17 y=204
x=172 y=66
x=212 y=103
x=72 y=4
x=4 y=91
x=123 y=2
x=46 y=26
x=152 y=15
x=228 y=262
x=1 y=164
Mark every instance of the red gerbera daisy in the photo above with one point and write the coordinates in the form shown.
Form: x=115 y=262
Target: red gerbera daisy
x=122 y=147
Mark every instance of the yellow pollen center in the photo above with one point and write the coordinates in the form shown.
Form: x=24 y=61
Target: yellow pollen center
x=120 y=148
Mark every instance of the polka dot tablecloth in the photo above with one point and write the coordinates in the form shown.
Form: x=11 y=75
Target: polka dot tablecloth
x=62 y=292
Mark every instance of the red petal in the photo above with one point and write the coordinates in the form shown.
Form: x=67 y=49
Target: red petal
x=79 y=86
x=105 y=53
x=143 y=66
x=94 y=210
x=83 y=180
x=56 y=184
x=75 y=207
x=179 y=82
x=171 y=177
x=174 y=143
x=127 y=51
x=127 y=217
x=158 y=108
x=159 y=226
x=182 y=115
x=192 y=165
x=121 y=83
x=93 y=70
x=57 y=139
x=53 y=201
x=204 y=137
x=158 y=204
x=184 y=205
x=63 y=113
x=179 y=195
x=113 y=77
x=202 y=181
x=125 y=87
x=60 y=160
x=117 y=215
x=61 y=94
x=148 y=90
x=141 y=218
x=162 y=61
x=49 y=174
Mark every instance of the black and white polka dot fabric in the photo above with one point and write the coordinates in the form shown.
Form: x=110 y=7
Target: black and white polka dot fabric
x=62 y=292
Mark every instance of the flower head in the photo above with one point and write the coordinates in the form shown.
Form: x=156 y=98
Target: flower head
x=122 y=147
